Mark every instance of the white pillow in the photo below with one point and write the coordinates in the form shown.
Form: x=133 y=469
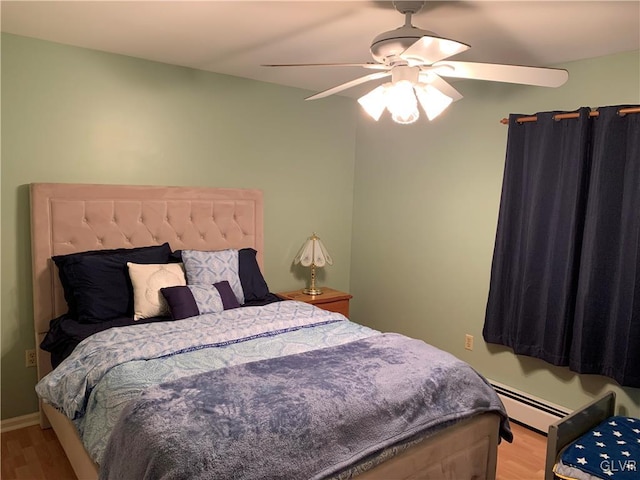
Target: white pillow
x=147 y=280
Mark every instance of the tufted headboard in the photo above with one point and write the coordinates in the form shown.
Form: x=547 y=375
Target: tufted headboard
x=68 y=218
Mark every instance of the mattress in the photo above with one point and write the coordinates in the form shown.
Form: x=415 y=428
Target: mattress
x=610 y=450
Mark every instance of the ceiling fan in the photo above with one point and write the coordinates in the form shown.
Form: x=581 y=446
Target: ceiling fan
x=416 y=61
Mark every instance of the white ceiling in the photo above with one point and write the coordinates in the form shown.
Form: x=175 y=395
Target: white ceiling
x=236 y=37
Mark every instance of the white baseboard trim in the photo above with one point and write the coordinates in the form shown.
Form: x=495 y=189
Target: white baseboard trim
x=19 y=422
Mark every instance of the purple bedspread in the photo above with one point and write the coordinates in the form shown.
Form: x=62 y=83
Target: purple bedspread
x=307 y=415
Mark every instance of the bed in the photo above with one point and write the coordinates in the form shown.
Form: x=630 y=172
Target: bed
x=593 y=443
x=71 y=218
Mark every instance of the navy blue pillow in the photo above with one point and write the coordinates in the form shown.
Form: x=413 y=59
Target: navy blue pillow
x=190 y=300
x=96 y=284
x=253 y=283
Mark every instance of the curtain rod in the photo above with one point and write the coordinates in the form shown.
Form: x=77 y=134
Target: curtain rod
x=563 y=116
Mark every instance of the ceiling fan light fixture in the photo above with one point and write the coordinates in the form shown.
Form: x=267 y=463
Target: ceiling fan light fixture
x=398 y=98
x=401 y=102
x=374 y=102
x=406 y=118
x=432 y=100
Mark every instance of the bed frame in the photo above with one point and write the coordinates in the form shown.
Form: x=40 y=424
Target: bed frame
x=68 y=218
x=571 y=427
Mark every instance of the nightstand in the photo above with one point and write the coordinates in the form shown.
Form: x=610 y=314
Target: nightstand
x=332 y=300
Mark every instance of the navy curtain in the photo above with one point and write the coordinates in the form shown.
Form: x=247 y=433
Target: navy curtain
x=565 y=278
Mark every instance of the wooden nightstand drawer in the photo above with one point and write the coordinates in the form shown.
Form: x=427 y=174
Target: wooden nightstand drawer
x=331 y=300
x=339 y=306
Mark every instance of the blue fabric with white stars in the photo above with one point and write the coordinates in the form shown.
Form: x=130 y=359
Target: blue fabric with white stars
x=611 y=450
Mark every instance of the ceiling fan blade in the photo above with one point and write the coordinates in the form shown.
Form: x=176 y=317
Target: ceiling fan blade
x=369 y=65
x=352 y=83
x=430 y=49
x=540 y=76
x=433 y=79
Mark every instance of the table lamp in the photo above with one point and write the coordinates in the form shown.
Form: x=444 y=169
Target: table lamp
x=313 y=254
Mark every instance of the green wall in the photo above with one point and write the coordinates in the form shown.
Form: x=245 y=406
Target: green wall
x=425 y=213
x=82 y=116
x=408 y=213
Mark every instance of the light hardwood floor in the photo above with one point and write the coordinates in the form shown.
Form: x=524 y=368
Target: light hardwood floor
x=33 y=454
x=524 y=458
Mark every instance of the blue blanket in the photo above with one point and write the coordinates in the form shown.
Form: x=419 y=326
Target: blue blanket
x=127 y=381
x=307 y=415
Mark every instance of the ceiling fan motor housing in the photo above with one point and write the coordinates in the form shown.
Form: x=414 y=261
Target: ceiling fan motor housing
x=408 y=6
x=391 y=44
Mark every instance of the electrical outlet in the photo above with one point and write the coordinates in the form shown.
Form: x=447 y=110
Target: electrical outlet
x=468 y=342
x=30 y=358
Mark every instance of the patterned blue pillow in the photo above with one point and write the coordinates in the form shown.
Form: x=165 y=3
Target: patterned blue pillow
x=207 y=268
x=191 y=300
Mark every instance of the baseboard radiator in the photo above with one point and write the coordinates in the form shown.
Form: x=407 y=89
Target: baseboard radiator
x=528 y=410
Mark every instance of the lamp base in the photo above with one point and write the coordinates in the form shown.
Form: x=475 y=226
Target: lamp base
x=312 y=291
